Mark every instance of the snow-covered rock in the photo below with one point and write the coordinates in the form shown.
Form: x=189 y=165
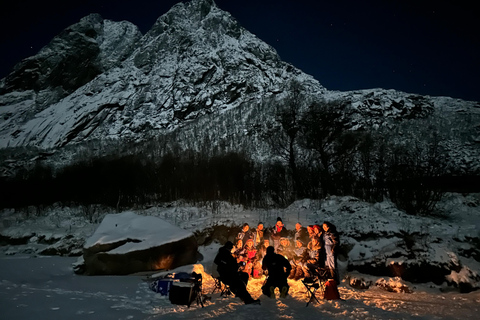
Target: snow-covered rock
x=465 y=280
x=127 y=243
x=358 y=281
x=67 y=246
x=393 y=285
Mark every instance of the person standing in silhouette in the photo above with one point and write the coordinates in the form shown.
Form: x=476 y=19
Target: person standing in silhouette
x=278 y=269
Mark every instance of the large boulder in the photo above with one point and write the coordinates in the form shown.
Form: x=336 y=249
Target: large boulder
x=127 y=243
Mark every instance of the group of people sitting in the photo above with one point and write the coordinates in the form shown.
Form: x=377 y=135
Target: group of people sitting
x=278 y=253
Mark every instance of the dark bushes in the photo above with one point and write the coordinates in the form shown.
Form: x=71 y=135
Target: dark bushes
x=135 y=180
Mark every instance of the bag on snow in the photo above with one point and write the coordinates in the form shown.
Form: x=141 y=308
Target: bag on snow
x=331 y=290
x=162 y=286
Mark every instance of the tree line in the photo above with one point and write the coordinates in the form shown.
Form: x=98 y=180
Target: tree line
x=315 y=153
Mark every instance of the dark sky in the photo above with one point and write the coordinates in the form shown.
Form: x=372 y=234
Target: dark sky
x=424 y=47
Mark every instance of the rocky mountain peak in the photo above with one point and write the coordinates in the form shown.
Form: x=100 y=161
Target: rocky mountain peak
x=200 y=30
x=197 y=14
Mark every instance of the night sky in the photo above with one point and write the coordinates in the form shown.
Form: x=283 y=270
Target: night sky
x=424 y=47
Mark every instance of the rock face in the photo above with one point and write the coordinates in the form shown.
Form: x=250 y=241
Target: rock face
x=99 y=79
x=127 y=243
x=73 y=58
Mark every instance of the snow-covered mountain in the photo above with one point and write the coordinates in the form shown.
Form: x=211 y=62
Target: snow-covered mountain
x=197 y=73
x=99 y=79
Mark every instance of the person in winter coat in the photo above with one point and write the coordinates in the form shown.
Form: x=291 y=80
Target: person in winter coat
x=278 y=271
x=285 y=249
x=245 y=234
x=238 y=245
x=300 y=233
x=261 y=252
x=317 y=231
x=310 y=232
x=258 y=234
x=227 y=268
x=278 y=232
x=250 y=257
x=331 y=241
x=238 y=252
x=312 y=257
x=297 y=261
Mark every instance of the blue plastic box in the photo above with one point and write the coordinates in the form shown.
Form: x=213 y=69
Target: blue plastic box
x=162 y=286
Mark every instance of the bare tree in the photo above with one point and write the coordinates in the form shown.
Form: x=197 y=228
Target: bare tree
x=284 y=141
x=413 y=173
x=324 y=131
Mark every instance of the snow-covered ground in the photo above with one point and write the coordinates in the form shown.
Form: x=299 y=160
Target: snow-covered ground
x=35 y=286
x=46 y=288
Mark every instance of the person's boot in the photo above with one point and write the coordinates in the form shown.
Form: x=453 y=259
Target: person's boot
x=272 y=292
x=284 y=292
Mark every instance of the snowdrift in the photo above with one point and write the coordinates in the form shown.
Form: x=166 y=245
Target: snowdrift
x=127 y=243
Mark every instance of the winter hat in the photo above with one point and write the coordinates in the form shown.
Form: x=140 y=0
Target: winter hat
x=229 y=245
x=279 y=219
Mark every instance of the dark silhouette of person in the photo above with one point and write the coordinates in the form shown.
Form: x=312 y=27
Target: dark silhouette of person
x=278 y=269
x=227 y=268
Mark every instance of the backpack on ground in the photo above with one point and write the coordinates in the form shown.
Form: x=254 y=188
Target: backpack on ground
x=331 y=290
